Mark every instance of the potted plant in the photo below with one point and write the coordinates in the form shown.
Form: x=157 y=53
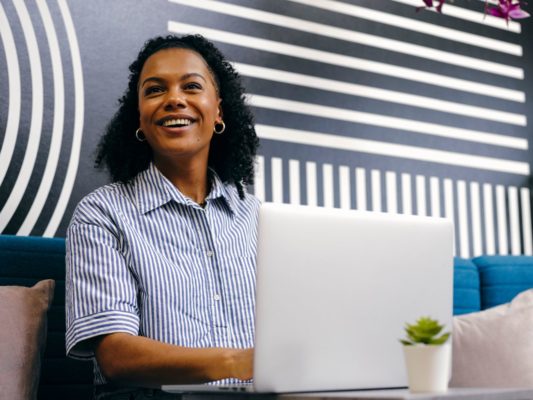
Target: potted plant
x=427 y=356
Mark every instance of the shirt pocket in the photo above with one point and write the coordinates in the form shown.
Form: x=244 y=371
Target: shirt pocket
x=177 y=296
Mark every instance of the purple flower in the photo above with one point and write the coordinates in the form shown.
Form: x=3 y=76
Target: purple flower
x=429 y=4
x=507 y=9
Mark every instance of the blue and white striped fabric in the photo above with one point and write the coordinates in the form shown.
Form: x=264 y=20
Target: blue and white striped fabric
x=144 y=259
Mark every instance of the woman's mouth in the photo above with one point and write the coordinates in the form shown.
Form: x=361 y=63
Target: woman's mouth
x=177 y=123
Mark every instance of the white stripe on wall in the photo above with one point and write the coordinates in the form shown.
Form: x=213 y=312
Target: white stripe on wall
x=526 y=221
x=276 y=169
x=426 y=128
x=259 y=178
x=389 y=149
x=310 y=176
x=449 y=205
x=344 y=186
x=327 y=180
x=434 y=191
x=448 y=199
x=294 y=182
x=375 y=183
x=392 y=192
x=360 y=185
x=464 y=242
x=514 y=220
x=73 y=162
x=501 y=212
x=14 y=100
x=407 y=202
x=421 y=208
x=415 y=25
x=488 y=207
x=392 y=96
x=57 y=126
x=36 y=118
x=353 y=36
x=475 y=212
x=349 y=62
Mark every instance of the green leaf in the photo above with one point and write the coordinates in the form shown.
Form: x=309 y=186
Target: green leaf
x=440 y=340
x=425 y=331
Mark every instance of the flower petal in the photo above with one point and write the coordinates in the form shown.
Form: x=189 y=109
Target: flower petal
x=518 y=14
x=496 y=12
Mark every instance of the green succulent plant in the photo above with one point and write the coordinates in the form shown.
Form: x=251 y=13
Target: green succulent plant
x=426 y=331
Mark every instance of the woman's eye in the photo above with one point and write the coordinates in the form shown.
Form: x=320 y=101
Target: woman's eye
x=152 y=90
x=193 y=86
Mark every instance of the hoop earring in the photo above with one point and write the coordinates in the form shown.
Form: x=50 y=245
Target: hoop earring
x=220 y=127
x=138 y=134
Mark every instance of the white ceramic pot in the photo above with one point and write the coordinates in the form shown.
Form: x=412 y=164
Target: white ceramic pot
x=428 y=367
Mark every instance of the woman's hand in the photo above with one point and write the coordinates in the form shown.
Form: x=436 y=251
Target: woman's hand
x=241 y=363
x=145 y=362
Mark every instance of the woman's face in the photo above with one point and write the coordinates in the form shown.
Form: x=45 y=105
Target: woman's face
x=178 y=105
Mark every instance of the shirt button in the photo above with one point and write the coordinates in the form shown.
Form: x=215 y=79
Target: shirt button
x=209 y=253
x=216 y=297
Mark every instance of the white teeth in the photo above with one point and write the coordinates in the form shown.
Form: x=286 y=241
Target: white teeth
x=180 y=121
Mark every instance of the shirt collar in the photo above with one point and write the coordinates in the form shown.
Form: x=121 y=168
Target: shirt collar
x=153 y=189
x=220 y=190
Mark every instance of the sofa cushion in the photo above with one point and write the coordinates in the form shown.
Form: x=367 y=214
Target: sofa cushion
x=466 y=295
x=23 y=262
x=503 y=277
x=493 y=348
x=22 y=337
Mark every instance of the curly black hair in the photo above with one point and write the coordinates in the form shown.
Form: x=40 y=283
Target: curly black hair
x=231 y=154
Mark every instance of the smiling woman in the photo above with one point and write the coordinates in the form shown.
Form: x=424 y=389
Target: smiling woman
x=231 y=154
x=179 y=107
x=161 y=263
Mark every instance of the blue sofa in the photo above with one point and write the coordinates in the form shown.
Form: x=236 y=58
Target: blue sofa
x=488 y=281
x=479 y=283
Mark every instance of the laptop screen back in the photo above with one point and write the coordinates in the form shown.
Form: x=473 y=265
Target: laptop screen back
x=335 y=289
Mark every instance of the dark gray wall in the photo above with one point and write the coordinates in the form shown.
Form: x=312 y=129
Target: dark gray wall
x=343 y=132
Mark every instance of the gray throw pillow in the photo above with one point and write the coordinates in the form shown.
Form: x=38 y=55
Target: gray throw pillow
x=494 y=348
x=22 y=337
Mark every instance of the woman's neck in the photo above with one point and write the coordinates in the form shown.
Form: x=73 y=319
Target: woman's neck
x=191 y=179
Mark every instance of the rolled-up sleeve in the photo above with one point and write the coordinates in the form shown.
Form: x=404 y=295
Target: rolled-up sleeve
x=101 y=291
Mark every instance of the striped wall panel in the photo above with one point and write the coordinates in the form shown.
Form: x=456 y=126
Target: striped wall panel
x=42 y=115
x=489 y=219
x=359 y=104
x=380 y=108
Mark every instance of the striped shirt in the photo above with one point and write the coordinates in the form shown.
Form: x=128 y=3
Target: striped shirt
x=142 y=258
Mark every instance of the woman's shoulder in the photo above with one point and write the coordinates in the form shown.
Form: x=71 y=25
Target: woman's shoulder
x=103 y=200
x=105 y=193
x=231 y=188
x=252 y=199
x=249 y=203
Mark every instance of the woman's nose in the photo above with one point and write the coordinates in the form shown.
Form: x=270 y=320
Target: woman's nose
x=175 y=99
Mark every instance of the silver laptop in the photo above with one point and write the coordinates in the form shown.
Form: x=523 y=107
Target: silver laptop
x=334 y=291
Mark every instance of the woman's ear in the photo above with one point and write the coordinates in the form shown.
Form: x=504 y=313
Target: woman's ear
x=220 y=114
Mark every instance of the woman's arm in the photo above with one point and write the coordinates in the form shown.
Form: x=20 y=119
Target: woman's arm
x=141 y=361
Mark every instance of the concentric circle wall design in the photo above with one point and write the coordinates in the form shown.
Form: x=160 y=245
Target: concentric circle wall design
x=63 y=135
